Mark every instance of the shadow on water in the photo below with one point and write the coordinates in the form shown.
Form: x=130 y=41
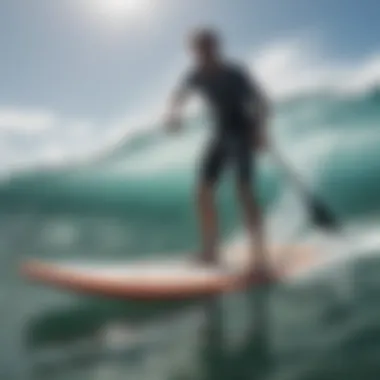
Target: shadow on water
x=323 y=337
x=252 y=359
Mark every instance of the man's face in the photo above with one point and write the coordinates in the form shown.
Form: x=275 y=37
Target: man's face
x=205 y=51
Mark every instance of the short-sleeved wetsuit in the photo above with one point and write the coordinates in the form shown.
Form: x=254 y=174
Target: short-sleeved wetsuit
x=229 y=92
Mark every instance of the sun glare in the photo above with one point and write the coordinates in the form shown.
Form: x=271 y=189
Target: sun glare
x=123 y=8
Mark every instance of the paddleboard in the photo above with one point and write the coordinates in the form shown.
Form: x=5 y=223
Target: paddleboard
x=167 y=279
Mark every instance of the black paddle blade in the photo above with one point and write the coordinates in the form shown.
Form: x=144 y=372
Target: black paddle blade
x=322 y=216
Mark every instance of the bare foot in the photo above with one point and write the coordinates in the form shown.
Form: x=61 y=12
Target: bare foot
x=207 y=258
x=262 y=274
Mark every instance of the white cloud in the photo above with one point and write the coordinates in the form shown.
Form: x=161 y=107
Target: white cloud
x=26 y=121
x=294 y=66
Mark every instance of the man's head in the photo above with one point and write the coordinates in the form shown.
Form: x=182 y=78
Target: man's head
x=205 y=44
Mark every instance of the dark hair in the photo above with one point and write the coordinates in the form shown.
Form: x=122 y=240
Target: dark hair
x=203 y=36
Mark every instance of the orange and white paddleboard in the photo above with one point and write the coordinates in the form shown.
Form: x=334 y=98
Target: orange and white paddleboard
x=167 y=280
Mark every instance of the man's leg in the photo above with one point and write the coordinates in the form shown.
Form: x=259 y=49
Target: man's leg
x=208 y=222
x=211 y=168
x=254 y=224
x=250 y=207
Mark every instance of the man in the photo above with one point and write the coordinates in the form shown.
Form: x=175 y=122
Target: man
x=240 y=114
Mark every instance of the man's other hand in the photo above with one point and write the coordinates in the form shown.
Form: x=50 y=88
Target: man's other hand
x=173 y=123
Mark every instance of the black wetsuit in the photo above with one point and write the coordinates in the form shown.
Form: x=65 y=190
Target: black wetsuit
x=229 y=92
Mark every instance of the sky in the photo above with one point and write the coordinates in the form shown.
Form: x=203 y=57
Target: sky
x=86 y=69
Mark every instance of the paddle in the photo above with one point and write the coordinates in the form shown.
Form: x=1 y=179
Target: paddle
x=320 y=214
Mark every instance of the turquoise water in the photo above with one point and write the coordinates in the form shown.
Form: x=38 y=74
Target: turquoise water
x=138 y=201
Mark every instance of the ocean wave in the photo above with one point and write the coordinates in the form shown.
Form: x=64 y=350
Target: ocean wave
x=307 y=129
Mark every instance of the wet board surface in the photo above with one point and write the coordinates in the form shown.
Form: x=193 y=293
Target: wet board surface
x=168 y=278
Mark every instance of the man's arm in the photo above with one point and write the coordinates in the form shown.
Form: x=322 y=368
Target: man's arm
x=175 y=110
x=258 y=108
x=262 y=111
x=177 y=103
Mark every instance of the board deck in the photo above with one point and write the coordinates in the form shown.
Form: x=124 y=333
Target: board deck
x=167 y=279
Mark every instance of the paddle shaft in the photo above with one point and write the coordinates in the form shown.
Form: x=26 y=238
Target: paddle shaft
x=321 y=214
